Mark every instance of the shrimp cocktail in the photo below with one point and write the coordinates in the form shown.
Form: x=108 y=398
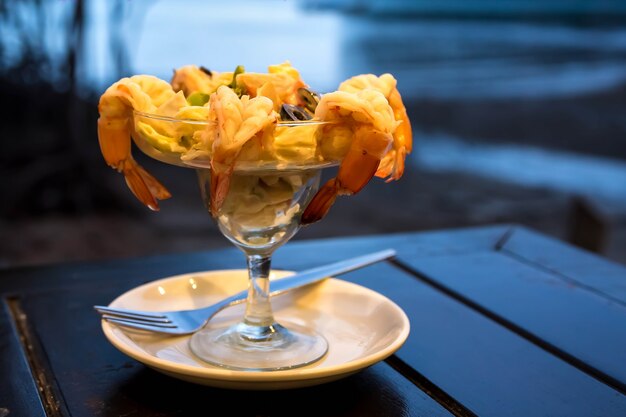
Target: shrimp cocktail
x=258 y=142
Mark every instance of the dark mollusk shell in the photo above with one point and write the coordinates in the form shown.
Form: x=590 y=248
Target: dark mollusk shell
x=309 y=98
x=292 y=113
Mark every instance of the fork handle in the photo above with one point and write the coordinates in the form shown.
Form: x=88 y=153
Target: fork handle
x=320 y=273
x=311 y=276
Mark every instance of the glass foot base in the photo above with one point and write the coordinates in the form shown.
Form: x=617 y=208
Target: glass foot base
x=251 y=348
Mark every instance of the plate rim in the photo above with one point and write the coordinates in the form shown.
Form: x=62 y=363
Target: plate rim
x=222 y=374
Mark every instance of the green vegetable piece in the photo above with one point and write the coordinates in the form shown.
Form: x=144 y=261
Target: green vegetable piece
x=198 y=99
x=239 y=70
x=238 y=89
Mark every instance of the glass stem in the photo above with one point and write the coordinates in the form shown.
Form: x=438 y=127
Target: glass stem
x=259 y=320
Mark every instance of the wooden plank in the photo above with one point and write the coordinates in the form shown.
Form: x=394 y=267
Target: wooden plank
x=18 y=392
x=482 y=365
x=96 y=379
x=580 y=326
x=583 y=268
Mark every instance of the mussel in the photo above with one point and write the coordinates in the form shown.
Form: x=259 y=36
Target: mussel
x=309 y=98
x=293 y=113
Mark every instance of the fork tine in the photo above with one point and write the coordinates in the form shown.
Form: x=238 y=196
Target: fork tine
x=115 y=314
x=140 y=319
x=151 y=329
x=125 y=311
x=161 y=327
x=169 y=325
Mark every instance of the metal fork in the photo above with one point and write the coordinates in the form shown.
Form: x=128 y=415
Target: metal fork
x=188 y=321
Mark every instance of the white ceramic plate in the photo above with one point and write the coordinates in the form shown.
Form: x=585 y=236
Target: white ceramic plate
x=362 y=327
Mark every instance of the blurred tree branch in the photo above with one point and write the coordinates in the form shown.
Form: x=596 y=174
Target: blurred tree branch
x=48 y=112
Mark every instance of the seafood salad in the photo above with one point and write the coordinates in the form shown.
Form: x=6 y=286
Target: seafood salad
x=228 y=121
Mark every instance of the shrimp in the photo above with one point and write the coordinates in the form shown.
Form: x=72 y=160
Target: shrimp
x=281 y=83
x=392 y=165
x=190 y=79
x=236 y=121
x=371 y=119
x=143 y=93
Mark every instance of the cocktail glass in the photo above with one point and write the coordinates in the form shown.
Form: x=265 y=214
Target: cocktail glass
x=261 y=212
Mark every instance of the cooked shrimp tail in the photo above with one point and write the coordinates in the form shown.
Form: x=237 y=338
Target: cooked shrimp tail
x=114 y=139
x=220 y=184
x=356 y=170
x=144 y=186
x=321 y=203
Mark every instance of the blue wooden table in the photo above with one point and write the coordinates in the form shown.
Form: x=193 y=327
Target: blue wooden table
x=504 y=322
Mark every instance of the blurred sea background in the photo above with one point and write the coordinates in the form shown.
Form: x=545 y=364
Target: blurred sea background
x=518 y=109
